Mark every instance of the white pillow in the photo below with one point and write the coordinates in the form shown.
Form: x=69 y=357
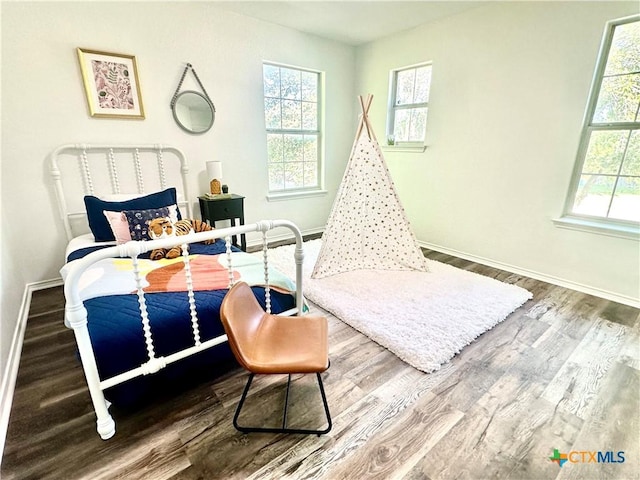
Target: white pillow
x=123 y=197
x=120 y=197
x=119 y=226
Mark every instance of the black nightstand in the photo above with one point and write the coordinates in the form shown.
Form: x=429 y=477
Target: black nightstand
x=230 y=208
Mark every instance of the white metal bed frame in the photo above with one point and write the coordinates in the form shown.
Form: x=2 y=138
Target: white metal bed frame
x=75 y=312
x=140 y=155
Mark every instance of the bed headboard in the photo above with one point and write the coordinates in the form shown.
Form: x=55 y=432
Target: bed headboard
x=114 y=170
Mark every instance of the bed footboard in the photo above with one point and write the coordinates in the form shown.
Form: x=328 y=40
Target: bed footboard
x=76 y=313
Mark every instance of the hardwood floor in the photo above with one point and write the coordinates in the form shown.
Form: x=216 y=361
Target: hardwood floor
x=562 y=372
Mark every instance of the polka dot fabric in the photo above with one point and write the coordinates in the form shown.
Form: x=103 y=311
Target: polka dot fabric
x=367 y=228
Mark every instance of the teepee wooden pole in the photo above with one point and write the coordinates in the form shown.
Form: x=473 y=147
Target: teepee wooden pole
x=364 y=116
x=364 y=105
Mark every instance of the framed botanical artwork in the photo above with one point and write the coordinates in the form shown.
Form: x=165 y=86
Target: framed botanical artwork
x=111 y=84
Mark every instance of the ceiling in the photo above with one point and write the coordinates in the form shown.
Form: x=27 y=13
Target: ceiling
x=350 y=22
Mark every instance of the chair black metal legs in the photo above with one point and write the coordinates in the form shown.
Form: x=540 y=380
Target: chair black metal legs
x=284 y=428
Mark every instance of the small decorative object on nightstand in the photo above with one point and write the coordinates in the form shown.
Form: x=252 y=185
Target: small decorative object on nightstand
x=215 y=187
x=214 y=173
x=215 y=208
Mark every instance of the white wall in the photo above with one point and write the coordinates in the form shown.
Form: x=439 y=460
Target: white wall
x=44 y=106
x=509 y=89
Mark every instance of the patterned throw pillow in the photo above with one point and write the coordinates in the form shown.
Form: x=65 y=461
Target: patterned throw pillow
x=138 y=221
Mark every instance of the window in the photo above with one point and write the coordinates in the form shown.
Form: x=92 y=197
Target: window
x=605 y=187
x=408 y=105
x=292 y=116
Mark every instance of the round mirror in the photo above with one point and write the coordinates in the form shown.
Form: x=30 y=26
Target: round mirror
x=193 y=112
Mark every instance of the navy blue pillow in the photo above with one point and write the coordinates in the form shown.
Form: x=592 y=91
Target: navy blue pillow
x=98 y=222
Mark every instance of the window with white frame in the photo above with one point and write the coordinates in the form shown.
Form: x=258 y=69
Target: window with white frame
x=292 y=116
x=606 y=182
x=408 y=105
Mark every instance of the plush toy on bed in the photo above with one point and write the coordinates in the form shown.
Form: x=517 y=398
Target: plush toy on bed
x=163 y=228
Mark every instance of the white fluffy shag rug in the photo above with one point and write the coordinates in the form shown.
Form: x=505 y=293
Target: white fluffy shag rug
x=425 y=318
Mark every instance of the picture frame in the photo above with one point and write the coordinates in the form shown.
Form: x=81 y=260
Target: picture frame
x=111 y=84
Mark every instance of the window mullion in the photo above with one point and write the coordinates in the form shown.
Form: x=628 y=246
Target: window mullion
x=615 y=183
x=413 y=93
x=615 y=126
x=411 y=105
x=613 y=194
x=409 y=127
x=621 y=74
x=293 y=132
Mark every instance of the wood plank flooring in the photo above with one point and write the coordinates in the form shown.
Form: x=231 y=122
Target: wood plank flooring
x=562 y=372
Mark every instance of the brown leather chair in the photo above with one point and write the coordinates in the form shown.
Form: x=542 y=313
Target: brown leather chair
x=273 y=344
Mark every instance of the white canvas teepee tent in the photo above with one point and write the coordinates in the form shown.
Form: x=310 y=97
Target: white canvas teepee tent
x=367 y=228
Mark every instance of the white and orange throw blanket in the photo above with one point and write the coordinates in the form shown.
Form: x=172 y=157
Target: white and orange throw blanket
x=115 y=276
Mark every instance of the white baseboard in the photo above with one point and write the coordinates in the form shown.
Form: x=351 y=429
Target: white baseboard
x=561 y=282
x=10 y=373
